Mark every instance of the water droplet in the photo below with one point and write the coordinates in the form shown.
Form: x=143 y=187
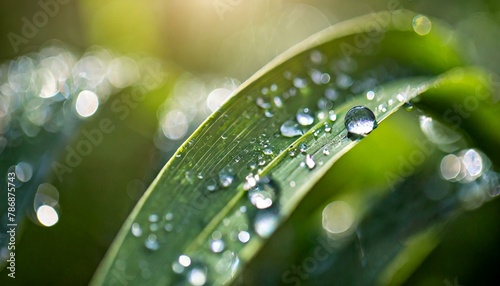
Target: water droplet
x=153 y=227
x=250 y=181
x=265 y=223
x=324 y=104
x=262 y=103
x=184 y=260
x=326 y=152
x=303 y=147
x=331 y=94
x=168 y=227
x=332 y=115
x=370 y=95
x=408 y=106
x=360 y=120
x=200 y=176
x=292 y=184
x=153 y=218
x=382 y=107
x=197 y=276
x=316 y=133
x=473 y=162
x=136 y=229
x=211 y=185
x=421 y=25
x=269 y=113
x=226 y=176
x=151 y=243
x=278 y=101
x=299 y=82
x=217 y=245
x=328 y=128
x=244 y=236
x=267 y=151
x=264 y=193
x=305 y=117
x=310 y=163
x=292 y=152
x=290 y=129
x=169 y=216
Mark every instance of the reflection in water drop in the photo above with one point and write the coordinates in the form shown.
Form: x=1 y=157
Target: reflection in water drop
x=360 y=120
x=47 y=215
x=87 y=103
x=338 y=217
x=217 y=245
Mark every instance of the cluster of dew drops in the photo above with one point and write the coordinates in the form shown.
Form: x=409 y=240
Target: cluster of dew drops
x=263 y=192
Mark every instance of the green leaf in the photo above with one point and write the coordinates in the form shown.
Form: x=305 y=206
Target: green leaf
x=377 y=61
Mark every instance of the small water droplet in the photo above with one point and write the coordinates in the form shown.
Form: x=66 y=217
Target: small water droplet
x=265 y=223
x=408 y=106
x=136 y=229
x=264 y=90
x=324 y=104
x=292 y=184
x=264 y=193
x=274 y=87
x=151 y=243
x=153 y=227
x=370 y=95
x=299 y=82
x=278 y=101
x=250 y=181
x=269 y=113
x=153 y=218
x=197 y=276
x=422 y=25
x=168 y=227
x=217 y=245
x=211 y=185
x=360 y=120
x=316 y=133
x=382 y=107
x=226 y=176
x=267 y=151
x=326 y=152
x=169 y=216
x=303 y=147
x=331 y=94
x=305 y=117
x=292 y=152
x=184 y=260
x=332 y=115
x=310 y=163
x=290 y=128
x=262 y=103
x=243 y=236
x=328 y=128
x=200 y=176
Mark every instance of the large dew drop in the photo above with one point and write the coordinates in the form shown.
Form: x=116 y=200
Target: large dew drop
x=264 y=193
x=305 y=117
x=290 y=129
x=360 y=120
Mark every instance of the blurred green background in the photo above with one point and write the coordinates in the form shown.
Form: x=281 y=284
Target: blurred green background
x=192 y=48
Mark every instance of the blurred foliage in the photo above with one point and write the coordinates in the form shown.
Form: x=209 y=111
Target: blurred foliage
x=200 y=41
